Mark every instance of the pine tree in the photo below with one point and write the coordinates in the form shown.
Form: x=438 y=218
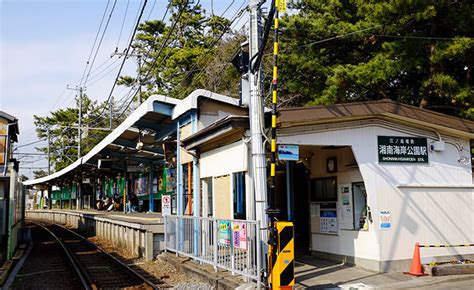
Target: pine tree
x=415 y=52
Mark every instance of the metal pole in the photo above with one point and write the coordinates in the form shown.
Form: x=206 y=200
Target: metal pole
x=49 y=151
x=256 y=126
x=110 y=112
x=140 y=100
x=79 y=129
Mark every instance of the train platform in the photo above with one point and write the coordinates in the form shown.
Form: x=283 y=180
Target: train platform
x=145 y=218
x=141 y=234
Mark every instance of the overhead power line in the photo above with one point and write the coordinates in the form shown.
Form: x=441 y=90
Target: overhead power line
x=123 y=23
x=127 y=51
x=100 y=42
x=95 y=41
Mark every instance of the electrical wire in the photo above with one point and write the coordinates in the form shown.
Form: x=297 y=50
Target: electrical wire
x=224 y=31
x=95 y=41
x=123 y=23
x=124 y=59
x=100 y=42
x=180 y=12
x=151 y=10
x=107 y=71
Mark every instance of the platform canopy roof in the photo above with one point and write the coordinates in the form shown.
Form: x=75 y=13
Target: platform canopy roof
x=151 y=120
x=153 y=123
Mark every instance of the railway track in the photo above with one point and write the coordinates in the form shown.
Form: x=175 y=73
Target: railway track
x=93 y=267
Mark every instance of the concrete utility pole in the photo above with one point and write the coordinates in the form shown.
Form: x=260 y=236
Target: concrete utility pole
x=259 y=167
x=79 y=128
x=139 y=60
x=49 y=151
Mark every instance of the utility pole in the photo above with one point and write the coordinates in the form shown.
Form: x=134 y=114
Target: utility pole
x=259 y=167
x=49 y=151
x=79 y=128
x=110 y=112
x=139 y=61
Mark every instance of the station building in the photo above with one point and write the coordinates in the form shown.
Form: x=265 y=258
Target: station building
x=362 y=182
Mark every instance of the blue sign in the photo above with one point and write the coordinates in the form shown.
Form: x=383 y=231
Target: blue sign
x=289 y=152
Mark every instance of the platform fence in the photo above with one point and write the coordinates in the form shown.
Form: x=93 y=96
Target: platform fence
x=227 y=244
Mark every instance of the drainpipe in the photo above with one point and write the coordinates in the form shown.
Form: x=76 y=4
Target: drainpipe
x=179 y=189
x=196 y=192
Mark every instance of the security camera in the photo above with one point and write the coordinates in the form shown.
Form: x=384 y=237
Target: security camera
x=139 y=145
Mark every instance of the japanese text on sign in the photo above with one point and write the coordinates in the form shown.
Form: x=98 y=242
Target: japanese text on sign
x=402 y=149
x=240 y=235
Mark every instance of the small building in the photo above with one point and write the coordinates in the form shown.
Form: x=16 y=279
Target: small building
x=11 y=191
x=362 y=182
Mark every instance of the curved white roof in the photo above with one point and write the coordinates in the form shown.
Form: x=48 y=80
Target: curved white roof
x=136 y=115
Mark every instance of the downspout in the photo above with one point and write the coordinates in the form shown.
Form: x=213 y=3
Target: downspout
x=196 y=191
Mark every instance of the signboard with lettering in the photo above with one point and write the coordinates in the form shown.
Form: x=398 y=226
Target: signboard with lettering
x=166 y=204
x=328 y=221
x=240 y=235
x=224 y=233
x=385 y=222
x=288 y=152
x=402 y=149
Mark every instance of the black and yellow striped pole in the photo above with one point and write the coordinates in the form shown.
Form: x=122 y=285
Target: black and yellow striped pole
x=281 y=234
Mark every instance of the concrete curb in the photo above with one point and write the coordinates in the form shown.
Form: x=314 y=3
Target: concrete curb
x=14 y=266
x=205 y=273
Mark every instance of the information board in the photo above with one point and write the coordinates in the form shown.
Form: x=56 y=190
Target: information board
x=402 y=149
x=328 y=221
x=288 y=152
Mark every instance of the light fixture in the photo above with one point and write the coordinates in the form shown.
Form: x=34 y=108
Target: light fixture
x=139 y=145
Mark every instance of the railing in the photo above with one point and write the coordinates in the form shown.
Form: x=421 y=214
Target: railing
x=232 y=245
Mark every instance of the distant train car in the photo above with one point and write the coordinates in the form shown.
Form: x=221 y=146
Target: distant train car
x=12 y=197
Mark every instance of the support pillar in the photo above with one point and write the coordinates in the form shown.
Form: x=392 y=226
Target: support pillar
x=150 y=186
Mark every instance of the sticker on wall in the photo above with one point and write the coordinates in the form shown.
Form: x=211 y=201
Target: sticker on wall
x=224 y=233
x=240 y=235
x=385 y=220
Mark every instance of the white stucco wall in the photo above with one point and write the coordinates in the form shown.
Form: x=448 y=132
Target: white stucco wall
x=439 y=210
x=224 y=160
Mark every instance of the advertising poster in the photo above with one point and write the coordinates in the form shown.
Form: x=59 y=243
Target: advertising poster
x=171 y=180
x=224 y=233
x=240 y=235
x=3 y=131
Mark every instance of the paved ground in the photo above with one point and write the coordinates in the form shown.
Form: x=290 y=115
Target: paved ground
x=318 y=274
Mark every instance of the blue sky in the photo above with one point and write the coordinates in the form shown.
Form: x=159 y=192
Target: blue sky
x=45 y=44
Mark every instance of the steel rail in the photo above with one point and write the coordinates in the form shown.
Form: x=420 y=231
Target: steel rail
x=85 y=280
x=99 y=249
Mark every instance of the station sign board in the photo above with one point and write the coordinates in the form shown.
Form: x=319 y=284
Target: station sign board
x=289 y=152
x=392 y=149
